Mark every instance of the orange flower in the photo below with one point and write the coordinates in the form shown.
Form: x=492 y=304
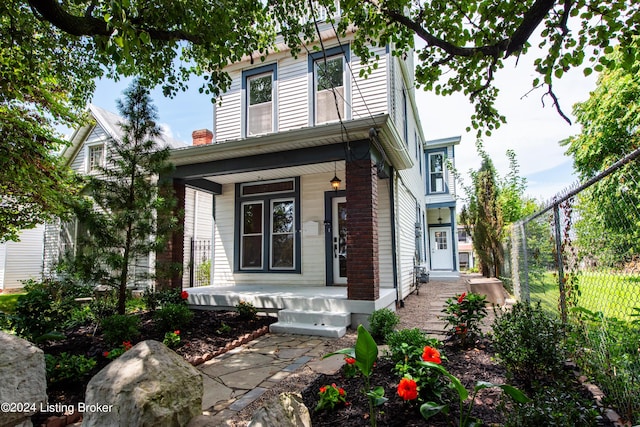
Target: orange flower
x=430 y=354
x=184 y=295
x=461 y=297
x=350 y=360
x=408 y=389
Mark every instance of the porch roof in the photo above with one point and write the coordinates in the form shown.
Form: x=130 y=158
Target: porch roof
x=307 y=137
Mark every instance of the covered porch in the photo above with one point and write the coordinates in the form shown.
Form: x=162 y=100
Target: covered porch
x=314 y=310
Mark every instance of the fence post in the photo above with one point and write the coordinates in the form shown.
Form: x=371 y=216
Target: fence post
x=558 y=233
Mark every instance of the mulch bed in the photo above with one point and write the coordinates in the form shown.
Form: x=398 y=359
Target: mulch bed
x=205 y=337
x=468 y=365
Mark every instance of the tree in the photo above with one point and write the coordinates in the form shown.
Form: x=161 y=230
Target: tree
x=126 y=215
x=610 y=121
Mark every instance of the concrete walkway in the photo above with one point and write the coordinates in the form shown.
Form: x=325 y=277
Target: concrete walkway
x=237 y=378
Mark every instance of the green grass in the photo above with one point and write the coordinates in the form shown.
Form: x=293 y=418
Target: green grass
x=8 y=302
x=615 y=295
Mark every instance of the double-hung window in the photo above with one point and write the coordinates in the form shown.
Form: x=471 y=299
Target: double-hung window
x=259 y=85
x=95 y=157
x=268 y=220
x=437 y=173
x=330 y=90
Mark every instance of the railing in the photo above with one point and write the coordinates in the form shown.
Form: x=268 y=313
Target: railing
x=200 y=263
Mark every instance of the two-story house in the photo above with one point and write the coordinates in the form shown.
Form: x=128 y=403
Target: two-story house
x=325 y=194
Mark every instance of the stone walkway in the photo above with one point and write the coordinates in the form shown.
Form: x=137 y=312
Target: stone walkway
x=237 y=378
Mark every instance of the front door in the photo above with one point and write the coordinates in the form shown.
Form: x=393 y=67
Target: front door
x=441 y=248
x=339 y=239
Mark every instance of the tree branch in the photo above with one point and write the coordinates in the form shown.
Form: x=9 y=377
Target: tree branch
x=556 y=104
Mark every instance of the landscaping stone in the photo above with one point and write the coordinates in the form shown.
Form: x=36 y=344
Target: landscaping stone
x=287 y=410
x=23 y=374
x=149 y=385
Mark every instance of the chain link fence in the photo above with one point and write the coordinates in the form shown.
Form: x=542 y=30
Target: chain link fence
x=579 y=257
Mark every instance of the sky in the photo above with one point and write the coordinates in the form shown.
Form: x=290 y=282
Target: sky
x=533 y=131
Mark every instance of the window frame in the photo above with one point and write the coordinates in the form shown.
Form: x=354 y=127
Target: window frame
x=268 y=199
x=243 y=235
x=89 y=147
x=429 y=173
x=314 y=58
x=247 y=76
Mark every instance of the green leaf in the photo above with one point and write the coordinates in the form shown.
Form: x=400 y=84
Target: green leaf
x=366 y=351
x=429 y=409
x=377 y=396
x=462 y=392
x=509 y=390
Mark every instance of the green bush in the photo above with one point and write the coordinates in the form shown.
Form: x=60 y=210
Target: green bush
x=68 y=367
x=79 y=316
x=463 y=314
x=529 y=343
x=157 y=299
x=120 y=327
x=408 y=344
x=382 y=322
x=172 y=317
x=246 y=310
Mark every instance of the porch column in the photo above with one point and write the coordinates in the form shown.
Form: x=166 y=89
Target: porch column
x=170 y=262
x=363 y=276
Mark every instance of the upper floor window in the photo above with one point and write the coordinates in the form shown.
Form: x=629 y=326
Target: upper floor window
x=436 y=173
x=95 y=157
x=259 y=86
x=330 y=89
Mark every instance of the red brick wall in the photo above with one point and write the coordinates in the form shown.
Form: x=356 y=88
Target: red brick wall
x=363 y=276
x=169 y=263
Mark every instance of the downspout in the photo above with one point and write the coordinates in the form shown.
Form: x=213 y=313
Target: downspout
x=392 y=207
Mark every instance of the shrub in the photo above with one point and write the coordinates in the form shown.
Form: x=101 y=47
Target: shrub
x=120 y=327
x=382 y=322
x=172 y=317
x=157 y=299
x=464 y=313
x=246 y=310
x=408 y=343
x=79 y=316
x=103 y=307
x=529 y=343
x=172 y=339
x=68 y=367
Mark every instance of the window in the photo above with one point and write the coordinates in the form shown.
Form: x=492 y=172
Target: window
x=441 y=240
x=329 y=89
x=95 y=157
x=259 y=86
x=268 y=215
x=436 y=173
x=260 y=109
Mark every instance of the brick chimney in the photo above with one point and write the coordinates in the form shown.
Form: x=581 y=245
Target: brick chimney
x=202 y=137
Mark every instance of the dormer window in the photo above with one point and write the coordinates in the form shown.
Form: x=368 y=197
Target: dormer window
x=260 y=92
x=95 y=157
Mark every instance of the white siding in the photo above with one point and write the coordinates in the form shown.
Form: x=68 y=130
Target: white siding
x=385 y=252
x=22 y=260
x=228 y=115
x=406 y=246
x=293 y=87
x=369 y=96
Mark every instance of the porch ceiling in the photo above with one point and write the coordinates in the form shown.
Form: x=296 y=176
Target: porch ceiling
x=263 y=175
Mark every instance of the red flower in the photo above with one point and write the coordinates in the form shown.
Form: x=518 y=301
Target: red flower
x=105 y=354
x=341 y=391
x=184 y=295
x=350 y=360
x=323 y=389
x=430 y=354
x=408 y=389
x=176 y=332
x=461 y=297
x=126 y=345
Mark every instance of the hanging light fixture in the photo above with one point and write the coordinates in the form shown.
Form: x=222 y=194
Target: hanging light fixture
x=335 y=181
x=439 y=216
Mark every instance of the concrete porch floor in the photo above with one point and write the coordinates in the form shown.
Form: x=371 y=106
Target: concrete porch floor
x=273 y=298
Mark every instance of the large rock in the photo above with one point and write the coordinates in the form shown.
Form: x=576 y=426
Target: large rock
x=286 y=411
x=149 y=385
x=23 y=380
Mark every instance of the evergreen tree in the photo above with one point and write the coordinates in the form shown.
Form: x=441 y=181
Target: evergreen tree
x=127 y=214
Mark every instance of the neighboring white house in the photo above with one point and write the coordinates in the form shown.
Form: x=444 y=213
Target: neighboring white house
x=465 y=249
x=21 y=260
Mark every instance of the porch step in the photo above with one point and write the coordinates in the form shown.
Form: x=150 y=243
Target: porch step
x=318 y=323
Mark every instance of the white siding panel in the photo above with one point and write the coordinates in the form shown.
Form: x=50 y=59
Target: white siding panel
x=406 y=218
x=3 y=251
x=228 y=113
x=293 y=88
x=369 y=96
x=23 y=259
x=385 y=252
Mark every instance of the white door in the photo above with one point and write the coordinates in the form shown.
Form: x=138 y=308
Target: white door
x=339 y=240
x=441 y=248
